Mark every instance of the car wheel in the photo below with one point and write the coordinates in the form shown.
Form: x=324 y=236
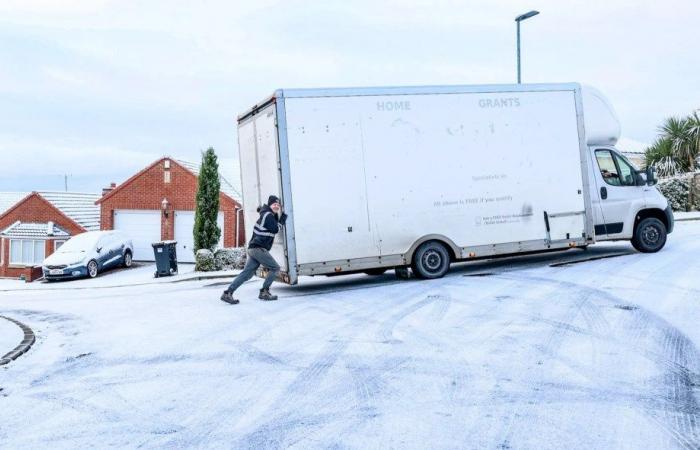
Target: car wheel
x=92 y=268
x=649 y=235
x=431 y=260
x=127 y=259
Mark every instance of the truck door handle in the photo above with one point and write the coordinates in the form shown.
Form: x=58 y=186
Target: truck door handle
x=603 y=193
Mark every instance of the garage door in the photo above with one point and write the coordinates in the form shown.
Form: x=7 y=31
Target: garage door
x=184 y=227
x=143 y=227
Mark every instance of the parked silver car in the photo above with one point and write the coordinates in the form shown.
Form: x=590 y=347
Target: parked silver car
x=88 y=254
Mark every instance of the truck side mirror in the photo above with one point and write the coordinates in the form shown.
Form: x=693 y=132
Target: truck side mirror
x=651 y=176
x=640 y=178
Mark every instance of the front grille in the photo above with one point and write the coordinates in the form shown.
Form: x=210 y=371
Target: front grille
x=62 y=266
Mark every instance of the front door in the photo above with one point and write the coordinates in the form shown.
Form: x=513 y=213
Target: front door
x=616 y=180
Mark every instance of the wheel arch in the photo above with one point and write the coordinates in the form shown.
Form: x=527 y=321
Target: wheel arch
x=452 y=248
x=651 y=212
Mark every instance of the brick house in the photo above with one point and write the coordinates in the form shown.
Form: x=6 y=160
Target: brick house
x=158 y=203
x=33 y=225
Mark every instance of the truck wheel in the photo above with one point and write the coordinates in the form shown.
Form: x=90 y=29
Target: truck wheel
x=431 y=260
x=649 y=235
x=376 y=271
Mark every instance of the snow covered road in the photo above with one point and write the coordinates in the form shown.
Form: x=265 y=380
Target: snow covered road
x=599 y=354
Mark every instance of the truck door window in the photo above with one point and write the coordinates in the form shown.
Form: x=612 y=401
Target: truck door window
x=625 y=170
x=607 y=166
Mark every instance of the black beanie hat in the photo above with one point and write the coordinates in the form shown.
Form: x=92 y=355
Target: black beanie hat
x=272 y=199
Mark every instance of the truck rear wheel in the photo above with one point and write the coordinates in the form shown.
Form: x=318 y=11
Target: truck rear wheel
x=649 y=235
x=431 y=260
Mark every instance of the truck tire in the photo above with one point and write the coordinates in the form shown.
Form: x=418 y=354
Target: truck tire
x=376 y=271
x=431 y=260
x=649 y=235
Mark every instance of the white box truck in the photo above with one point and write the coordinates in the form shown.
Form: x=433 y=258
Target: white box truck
x=398 y=177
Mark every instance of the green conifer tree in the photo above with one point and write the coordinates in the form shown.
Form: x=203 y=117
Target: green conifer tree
x=206 y=230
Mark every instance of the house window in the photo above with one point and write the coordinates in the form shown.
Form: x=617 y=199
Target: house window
x=26 y=251
x=57 y=244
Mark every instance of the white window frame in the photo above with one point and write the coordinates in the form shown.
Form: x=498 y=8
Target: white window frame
x=21 y=252
x=58 y=241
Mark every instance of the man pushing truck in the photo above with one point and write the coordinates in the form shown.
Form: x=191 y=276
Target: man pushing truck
x=267 y=225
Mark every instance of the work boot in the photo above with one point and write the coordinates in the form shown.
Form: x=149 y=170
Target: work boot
x=265 y=295
x=228 y=298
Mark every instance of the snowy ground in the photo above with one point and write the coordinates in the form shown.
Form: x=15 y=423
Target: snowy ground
x=10 y=337
x=137 y=275
x=508 y=354
x=681 y=215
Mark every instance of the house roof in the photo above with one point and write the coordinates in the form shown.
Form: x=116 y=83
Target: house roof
x=10 y=199
x=78 y=206
x=34 y=230
x=226 y=186
x=631 y=146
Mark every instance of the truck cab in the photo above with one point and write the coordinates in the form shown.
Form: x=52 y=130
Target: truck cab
x=625 y=203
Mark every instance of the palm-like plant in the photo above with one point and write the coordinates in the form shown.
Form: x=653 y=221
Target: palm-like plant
x=680 y=133
x=678 y=147
x=694 y=130
x=661 y=156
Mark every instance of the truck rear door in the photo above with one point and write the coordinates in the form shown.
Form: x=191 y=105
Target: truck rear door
x=260 y=170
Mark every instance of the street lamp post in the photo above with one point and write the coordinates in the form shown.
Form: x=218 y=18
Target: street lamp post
x=519 y=19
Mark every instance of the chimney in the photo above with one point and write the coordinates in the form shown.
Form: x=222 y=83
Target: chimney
x=107 y=190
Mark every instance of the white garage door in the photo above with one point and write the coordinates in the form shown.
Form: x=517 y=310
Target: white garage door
x=143 y=227
x=184 y=226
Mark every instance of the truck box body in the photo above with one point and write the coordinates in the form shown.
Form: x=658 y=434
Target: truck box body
x=366 y=175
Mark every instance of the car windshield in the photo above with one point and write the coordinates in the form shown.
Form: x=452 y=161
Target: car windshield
x=80 y=243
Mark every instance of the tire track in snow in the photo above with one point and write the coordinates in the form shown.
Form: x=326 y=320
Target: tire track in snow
x=285 y=418
x=675 y=356
x=365 y=380
x=514 y=424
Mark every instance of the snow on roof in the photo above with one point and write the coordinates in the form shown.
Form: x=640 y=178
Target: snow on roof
x=34 y=230
x=227 y=187
x=78 y=206
x=627 y=145
x=10 y=199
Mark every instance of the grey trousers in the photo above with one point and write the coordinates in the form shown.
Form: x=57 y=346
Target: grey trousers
x=256 y=257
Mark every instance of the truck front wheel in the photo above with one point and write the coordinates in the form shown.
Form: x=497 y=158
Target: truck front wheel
x=431 y=260
x=649 y=235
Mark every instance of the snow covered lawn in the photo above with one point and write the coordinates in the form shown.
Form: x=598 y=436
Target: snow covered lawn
x=499 y=354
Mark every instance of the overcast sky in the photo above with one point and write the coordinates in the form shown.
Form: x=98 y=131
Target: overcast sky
x=97 y=89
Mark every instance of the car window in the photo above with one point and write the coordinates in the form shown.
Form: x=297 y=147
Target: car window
x=104 y=242
x=80 y=243
x=607 y=166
